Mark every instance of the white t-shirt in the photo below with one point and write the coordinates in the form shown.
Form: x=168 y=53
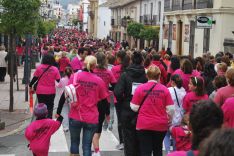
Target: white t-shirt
x=178 y=115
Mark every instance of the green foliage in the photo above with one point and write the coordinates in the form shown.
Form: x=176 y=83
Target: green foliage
x=134 y=29
x=20 y=15
x=149 y=33
x=75 y=22
x=45 y=27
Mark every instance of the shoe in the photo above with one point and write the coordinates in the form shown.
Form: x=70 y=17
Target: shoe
x=120 y=146
x=96 y=154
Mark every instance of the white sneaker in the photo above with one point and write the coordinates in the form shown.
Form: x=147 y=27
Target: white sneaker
x=96 y=154
x=120 y=146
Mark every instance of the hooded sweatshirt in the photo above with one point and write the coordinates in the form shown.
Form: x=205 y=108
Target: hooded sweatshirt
x=134 y=74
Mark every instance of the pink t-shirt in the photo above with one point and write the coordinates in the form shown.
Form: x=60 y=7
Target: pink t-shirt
x=90 y=90
x=186 y=77
x=152 y=115
x=63 y=63
x=46 y=84
x=228 y=110
x=76 y=64
x=38 y=133
x=222 y=94
x=181 y=153
x=191 y=98
x=106 y=75
x=116 y=70
x=182 y=138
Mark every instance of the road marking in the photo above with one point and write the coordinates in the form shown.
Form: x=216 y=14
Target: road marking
x=58 y=141
x=108 y=141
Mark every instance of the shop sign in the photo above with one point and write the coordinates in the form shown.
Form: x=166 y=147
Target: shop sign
x=204 y=22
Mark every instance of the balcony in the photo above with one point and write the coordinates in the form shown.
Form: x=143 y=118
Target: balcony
x=202 y=4
x=148 y=19
x=187 y=4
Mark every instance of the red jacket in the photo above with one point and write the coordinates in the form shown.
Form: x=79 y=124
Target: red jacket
x=163 y=78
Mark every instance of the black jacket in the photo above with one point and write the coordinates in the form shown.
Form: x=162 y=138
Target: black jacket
x=123 y=88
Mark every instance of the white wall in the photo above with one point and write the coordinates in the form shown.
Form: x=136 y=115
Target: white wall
x=104 y=22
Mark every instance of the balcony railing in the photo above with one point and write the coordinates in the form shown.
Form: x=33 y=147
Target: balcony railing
x=176 y=5
x=201 y=4
x=167 y=5
x=142 y=19
x=113 y=22
x=187 y=4
x=119 y=20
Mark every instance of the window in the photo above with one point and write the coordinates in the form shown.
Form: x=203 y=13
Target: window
x=151 y=12
x=187 y=4
x=145 y=9
x=159 y=11
x=201 y=4
x=167 y=5
x=206 y=41
x=104 y=23
x=176 y=4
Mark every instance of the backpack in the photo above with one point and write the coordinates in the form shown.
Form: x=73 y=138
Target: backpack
x=70 y=91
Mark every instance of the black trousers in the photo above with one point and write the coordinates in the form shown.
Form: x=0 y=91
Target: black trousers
x=47 y=99
x=120 y=130
x=104 y=110
x=2 y=74
x=150 y=142
x=131 y=143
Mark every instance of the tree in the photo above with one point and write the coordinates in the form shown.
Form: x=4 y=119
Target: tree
x=75 y=22
x=45 y=27
x=19 y=17
x=134 y=30
x=149 y=33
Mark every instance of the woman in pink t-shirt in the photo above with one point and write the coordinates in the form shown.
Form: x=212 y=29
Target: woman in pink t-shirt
x=46 y=85
x=228 y=111
x=205 y=117
x=186 y=72
x=103 y=107
x=152 y=121
x=225 y=92
x=83 y=115
x=196 y=86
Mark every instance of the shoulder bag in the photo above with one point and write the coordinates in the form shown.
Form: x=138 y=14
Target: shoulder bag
x=36 y=83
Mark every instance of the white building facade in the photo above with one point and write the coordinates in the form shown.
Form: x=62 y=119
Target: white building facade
x=196 y=27
x=85 y=6
x=104 y=20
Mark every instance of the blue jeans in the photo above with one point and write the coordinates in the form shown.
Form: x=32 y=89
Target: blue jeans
x=167 y=142
x=88 y=132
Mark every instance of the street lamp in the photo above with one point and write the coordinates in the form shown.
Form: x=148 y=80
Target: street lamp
x=2 y=124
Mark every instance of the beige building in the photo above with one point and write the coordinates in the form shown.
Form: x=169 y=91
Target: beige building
x=93 y=17
x=194 y=27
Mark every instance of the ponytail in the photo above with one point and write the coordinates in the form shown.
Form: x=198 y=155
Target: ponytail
x=89 y=62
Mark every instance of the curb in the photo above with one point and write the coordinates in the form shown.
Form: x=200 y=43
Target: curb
x=23 y=125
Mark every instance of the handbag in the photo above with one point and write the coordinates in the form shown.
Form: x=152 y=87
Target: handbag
x=134 y=120
x=36 y=83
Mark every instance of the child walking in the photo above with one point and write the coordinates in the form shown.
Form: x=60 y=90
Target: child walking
x=39 y=132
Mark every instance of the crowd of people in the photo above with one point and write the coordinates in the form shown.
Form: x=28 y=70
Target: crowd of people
x=158 y=98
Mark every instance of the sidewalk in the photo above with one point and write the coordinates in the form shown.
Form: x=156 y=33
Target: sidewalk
x=15 y=121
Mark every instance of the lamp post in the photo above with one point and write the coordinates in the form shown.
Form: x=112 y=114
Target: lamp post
x=2 y=124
